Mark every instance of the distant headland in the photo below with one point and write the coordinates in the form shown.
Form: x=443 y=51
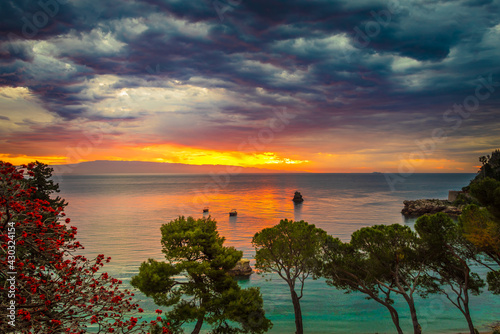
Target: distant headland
x=146 y=167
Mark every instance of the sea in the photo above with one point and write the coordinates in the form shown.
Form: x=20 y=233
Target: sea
x=120 y=216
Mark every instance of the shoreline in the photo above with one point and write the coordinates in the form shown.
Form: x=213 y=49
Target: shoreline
x=420 y=207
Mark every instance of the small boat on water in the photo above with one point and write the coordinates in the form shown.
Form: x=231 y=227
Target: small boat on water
x=233 y=212
x=205 y=209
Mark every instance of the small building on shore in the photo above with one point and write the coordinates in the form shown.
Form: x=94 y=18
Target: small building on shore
x=453 y=194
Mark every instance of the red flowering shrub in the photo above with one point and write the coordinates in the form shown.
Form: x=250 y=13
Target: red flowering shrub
x=45 y=287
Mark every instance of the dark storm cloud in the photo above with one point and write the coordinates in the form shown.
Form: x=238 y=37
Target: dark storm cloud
x=474 y=3
x=317 y=57
x=193 y=11
x=62 y=99
x=35 y=20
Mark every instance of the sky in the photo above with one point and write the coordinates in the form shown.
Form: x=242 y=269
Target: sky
x=396 y=86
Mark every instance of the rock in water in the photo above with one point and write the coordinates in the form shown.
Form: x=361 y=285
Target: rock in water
x=421 y=207
x=297 y=198
x=242 y=268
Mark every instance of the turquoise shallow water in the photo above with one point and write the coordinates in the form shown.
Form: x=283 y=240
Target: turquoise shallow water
x=120 y=216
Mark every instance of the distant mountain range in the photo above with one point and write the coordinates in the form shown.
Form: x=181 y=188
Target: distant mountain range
x=144 y=167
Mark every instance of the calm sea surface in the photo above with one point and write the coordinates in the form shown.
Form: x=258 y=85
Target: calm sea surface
x=121 y=215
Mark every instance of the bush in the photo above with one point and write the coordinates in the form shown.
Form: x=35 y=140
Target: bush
x=55 y=290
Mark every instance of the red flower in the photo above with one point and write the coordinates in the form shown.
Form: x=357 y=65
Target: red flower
x=48 y=277
x=55 y=322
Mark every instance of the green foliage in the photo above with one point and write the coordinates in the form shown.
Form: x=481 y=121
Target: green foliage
x=490 y=167
x=346 y=268
x=343 y=266
x=482 y=229
x=394 y=260
x=448 y=254
x=155 y=329
x=487 y=193
x=292 y=249
x=493 y=278
x=41 y=179
x=195 y=283
x=56 y=289
x=481 y=226
x=155 y=278
x=463 y=200
x=389 y=249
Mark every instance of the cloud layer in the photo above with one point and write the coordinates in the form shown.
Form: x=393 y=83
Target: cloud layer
x=366 y=81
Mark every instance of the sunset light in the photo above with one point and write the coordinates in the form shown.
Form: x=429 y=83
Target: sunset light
x=250 y=166
x=194 y=156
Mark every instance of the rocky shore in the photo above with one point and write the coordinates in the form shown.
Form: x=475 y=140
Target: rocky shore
x=421 y=207
x=242 y=268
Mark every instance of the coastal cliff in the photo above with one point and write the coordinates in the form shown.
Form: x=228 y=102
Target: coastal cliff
x=421 y=207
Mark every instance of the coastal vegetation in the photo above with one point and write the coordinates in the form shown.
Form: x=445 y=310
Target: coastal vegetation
x=481 y=226
x=56 y=290
x=381 y=261
x=45 y=287
x=292 y=249
x=384 y=261
x=194 y=281
x=394 y=261
x=490 y=167
x=449 y=256
x=480 y=221
x=347 y=269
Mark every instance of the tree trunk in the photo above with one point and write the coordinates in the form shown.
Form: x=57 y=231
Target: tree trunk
x=468 y=318
x=469 y=322
x=466 y=302
x=395 y=318
x=298 y=312
x=416 y=326
x=392 y=311
x=197 y=328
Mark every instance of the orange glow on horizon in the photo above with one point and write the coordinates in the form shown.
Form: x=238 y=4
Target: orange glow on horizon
x=298 y=161
x=25 y=159
x=196 y=156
